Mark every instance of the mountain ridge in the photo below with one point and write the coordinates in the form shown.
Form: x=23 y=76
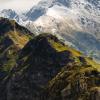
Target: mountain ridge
x=13 y=37
x=41 y=68
x=66 y=19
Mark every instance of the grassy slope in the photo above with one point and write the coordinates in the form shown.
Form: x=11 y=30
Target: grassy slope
x=69 y=76
x=11 y=42
x=60 y=47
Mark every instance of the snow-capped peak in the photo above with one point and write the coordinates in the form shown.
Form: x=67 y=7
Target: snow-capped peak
x=9 y=13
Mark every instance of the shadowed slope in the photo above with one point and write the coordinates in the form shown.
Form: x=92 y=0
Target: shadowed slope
x=46 y=67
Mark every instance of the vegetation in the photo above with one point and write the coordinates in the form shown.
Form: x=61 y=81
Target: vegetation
x=43 y=68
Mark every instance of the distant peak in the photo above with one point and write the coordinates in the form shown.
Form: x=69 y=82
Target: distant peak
x=7 y=10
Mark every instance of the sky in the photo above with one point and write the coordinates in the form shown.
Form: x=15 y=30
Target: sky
x=18 y=5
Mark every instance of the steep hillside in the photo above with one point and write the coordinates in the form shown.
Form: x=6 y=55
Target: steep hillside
x=47 y=69
x=13 y=37
x=75 y=82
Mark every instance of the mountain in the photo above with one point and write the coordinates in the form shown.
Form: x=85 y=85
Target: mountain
x=47 y=69
x=83 y=84
x=42 y=8
x=81 y=13
x=9 y=13
x=13 y=37
x=73 y=20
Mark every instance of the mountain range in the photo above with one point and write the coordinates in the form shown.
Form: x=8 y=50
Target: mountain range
x=42 y=67
x=76 y=21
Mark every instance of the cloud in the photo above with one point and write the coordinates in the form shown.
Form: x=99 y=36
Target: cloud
x=18 y=5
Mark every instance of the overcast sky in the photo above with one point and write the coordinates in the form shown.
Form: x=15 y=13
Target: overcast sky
x=18 y=5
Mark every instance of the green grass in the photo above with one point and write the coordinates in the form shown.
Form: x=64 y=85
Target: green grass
x=60 y=47
x=9 y=65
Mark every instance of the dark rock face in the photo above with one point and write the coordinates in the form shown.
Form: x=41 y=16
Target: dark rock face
x=5 y=26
